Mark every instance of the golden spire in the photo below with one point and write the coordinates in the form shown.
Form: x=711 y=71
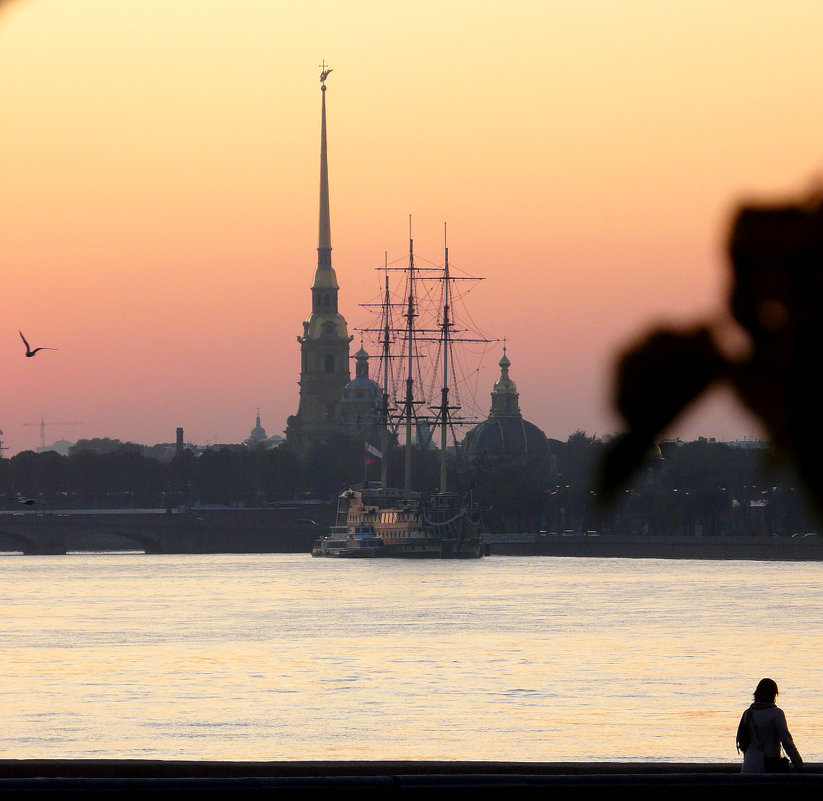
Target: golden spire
x=324 y=240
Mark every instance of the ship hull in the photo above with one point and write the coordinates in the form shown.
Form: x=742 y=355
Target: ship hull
x=347 y=553
x=435 y=550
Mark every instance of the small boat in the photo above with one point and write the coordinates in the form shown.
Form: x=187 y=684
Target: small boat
x=342 y=543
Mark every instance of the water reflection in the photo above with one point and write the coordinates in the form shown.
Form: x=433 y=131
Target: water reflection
x=284 y=657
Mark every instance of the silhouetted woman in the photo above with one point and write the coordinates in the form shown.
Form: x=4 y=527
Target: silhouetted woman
x=763 y=730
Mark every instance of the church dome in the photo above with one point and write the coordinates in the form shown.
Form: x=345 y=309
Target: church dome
x=505 y=432
x=258 y=433
x=362 y=402
x=511 y=436
x=362 y=389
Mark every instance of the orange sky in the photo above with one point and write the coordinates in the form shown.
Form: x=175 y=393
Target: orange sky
x=160 y=168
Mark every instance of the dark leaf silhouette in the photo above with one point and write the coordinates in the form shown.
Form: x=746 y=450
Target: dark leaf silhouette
x=656 y=379
x=776 y=256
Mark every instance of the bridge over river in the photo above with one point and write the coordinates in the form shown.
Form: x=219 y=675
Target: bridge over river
x=281 y=529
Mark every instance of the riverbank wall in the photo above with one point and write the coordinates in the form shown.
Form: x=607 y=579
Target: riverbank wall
x=757 y=548
x=141 y=776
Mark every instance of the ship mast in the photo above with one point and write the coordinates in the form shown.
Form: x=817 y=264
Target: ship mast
x=418 y=330
x=409 y=404
x=444 y=392
x=386 y=355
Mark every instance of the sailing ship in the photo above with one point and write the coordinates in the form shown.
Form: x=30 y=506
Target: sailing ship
x=444 y=525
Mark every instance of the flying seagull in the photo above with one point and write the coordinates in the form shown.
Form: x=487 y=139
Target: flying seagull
x=29 y=351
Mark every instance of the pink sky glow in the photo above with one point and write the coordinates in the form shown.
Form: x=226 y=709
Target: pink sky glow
x=160 y=169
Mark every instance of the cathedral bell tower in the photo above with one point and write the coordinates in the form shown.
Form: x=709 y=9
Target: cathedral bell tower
x=324 y=344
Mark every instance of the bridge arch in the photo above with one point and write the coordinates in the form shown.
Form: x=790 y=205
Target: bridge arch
x=12 y=541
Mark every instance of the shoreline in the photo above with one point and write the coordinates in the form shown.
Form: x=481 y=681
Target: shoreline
x=754 y=548
x=287 y=530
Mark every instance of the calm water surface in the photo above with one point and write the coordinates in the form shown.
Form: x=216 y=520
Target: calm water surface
x=285 y=657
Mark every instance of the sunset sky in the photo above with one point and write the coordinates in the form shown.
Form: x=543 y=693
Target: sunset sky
x=160 y=169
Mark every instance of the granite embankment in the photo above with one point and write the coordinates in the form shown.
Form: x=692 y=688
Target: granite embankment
x=141 y=776
x=760 y=548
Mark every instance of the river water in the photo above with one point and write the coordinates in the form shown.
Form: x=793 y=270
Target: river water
x=285 y=657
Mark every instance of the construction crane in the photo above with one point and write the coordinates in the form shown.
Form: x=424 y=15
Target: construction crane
x=42 y=425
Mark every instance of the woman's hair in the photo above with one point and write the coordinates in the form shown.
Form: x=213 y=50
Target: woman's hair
x=766 y=691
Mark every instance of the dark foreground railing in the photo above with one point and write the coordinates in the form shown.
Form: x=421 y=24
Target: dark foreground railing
x=137 y=776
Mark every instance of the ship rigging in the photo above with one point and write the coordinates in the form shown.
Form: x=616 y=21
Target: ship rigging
x=445 y=524
x=428 y=392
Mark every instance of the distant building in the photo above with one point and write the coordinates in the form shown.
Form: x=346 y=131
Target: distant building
x=748 y=444
x=258 y=433
x=505 y=432
x=258 y=437
x=61 y=446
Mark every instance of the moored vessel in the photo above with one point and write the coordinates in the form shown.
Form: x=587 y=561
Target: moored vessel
x=445 y=524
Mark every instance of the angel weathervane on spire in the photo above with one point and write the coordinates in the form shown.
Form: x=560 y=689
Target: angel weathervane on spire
x=325 y=70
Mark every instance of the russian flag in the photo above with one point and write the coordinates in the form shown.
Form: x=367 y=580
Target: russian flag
x=373 y=455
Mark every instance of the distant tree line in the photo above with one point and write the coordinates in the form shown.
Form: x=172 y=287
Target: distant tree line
x=125 y=476
x=697 y=488
x=701 y=488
